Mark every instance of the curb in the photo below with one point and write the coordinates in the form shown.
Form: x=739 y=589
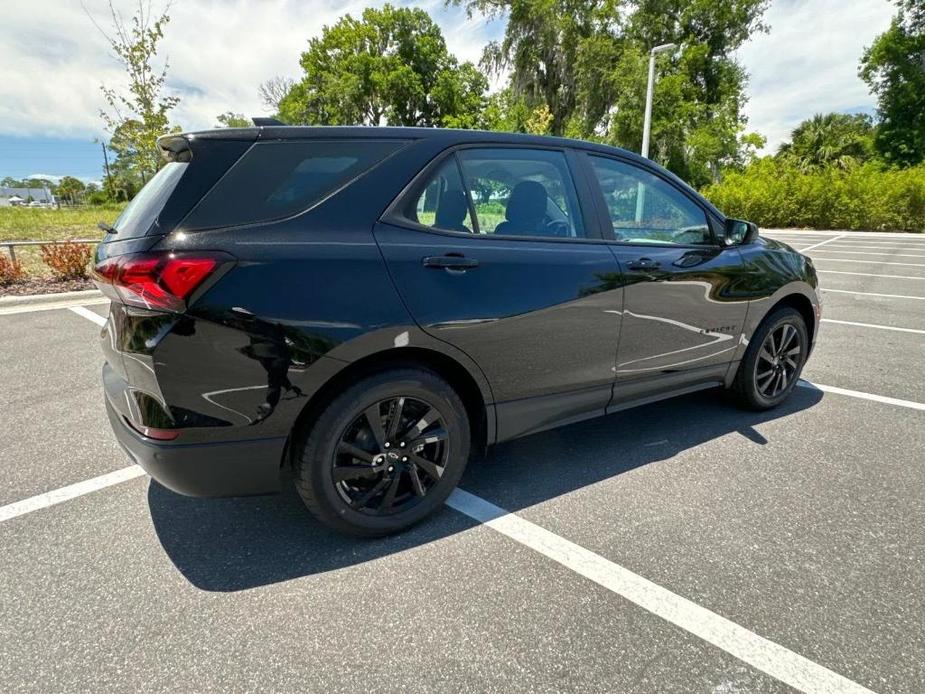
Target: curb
x=39 y=299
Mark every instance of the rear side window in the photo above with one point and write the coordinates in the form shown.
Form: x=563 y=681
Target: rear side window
x=522 y=192
x=442 y=203
x=275 y=180
x=140 y=213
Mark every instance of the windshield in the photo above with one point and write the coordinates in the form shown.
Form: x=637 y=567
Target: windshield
x=142 y=211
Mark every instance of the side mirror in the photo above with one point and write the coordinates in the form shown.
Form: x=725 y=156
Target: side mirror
x=739 y=232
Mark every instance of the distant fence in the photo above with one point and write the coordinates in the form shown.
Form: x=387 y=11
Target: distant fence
x=11 y=245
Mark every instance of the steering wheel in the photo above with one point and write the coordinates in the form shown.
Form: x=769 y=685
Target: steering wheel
x=691 y=235
x=557 y=227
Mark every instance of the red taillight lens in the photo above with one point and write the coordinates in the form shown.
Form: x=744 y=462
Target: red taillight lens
x=162 y=281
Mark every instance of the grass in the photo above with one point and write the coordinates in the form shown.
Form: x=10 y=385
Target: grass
x=40 y=224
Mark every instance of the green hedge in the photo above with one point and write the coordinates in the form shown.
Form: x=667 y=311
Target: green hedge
x=772 y=193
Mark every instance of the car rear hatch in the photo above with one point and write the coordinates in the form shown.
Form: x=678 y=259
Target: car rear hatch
x=150 y=289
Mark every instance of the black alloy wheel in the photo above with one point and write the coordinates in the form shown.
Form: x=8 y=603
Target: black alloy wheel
x=772 y=364
x=778 y=361
x=384 y=453
x=391 y=456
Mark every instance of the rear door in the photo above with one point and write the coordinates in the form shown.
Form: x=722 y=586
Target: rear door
x=683 y=314
x=491 y=251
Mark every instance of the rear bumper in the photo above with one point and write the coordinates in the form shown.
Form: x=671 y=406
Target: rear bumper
x=224 y=468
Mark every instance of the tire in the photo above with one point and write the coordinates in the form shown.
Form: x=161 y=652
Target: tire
x=374 y=459
x=751 y=385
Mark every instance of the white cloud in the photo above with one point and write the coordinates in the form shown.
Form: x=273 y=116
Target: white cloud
x=808 y=62
x=219 y=52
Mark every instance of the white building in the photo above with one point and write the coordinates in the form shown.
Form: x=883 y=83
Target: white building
x=12 y=197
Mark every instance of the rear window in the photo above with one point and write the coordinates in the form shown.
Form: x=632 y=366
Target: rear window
x=142 y=211
x=275 y=180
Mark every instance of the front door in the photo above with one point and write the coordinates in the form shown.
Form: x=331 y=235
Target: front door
x=683 y=316
x=490 y=253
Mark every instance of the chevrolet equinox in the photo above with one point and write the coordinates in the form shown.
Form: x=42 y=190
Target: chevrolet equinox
x=357 y=309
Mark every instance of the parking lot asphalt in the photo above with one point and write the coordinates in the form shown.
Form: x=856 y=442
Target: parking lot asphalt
x=802 y=527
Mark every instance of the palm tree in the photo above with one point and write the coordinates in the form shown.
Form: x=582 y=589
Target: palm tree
x=833 y=139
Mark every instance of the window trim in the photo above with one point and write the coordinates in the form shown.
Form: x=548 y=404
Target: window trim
x=603 y=214
x=393 y=213
x=401 y=144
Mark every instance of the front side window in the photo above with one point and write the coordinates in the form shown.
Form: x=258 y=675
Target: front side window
x=521 y=192
x=644 y=208
x=274 y=180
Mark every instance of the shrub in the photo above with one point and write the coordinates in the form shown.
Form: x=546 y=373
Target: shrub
x=10 y=271
x=68 y=261
x=774 y=193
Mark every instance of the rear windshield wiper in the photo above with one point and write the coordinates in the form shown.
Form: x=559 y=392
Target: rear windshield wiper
x=108 y=228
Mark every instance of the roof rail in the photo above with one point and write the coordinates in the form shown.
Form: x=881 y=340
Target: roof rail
x=261 y=122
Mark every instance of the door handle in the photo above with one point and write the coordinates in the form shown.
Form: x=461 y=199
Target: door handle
x=643 y=264
x=458 y=263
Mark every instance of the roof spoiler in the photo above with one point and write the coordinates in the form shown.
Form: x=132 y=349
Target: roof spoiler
x=174 y=148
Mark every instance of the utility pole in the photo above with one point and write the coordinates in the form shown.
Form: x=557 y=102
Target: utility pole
x=106 y=162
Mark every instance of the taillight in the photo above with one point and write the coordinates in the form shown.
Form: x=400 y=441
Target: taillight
x=161 y=281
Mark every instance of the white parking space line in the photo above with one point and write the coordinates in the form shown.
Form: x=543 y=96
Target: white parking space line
x=874 y=325
x=866 y=262
x=843 y=242
x=51 y=306
x=88 y=314
x=880 y=246
x=910 y=404
x=35 y=503
x=898 y=255
x=821 y=243
x=868 y=235
x=764 y=655
x=889 y=296
x=870 y=274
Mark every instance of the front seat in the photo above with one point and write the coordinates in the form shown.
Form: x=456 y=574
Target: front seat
x=451 y=211
x=525 y=214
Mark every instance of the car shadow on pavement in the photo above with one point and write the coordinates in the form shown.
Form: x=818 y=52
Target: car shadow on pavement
x=240 y=543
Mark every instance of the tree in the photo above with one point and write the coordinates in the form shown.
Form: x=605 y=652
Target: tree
x=126 y=173
x=70 y=189
x=274 y=90
x=541 y=47
x=10 y=182
x=894 y=68
x=587 y=61
x=697 y=121
x=834 y=139
x=233 y=120
x=389 y=67
x=141 y=115
x=504 y=111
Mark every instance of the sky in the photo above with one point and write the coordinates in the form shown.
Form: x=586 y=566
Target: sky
x=219 y=51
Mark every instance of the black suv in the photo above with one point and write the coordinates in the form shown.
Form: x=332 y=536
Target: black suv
x=360 y=308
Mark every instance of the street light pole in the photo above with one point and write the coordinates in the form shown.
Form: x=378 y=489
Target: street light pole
x=647 y=124
x=650 y=89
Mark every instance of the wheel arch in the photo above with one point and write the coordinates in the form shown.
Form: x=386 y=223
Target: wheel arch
x=480 y=412
x=802 y=304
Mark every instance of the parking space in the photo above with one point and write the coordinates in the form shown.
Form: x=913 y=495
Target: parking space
x=55 y=431
x=786 y=549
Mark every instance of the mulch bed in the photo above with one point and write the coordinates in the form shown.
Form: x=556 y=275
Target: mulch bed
x=44 y=285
